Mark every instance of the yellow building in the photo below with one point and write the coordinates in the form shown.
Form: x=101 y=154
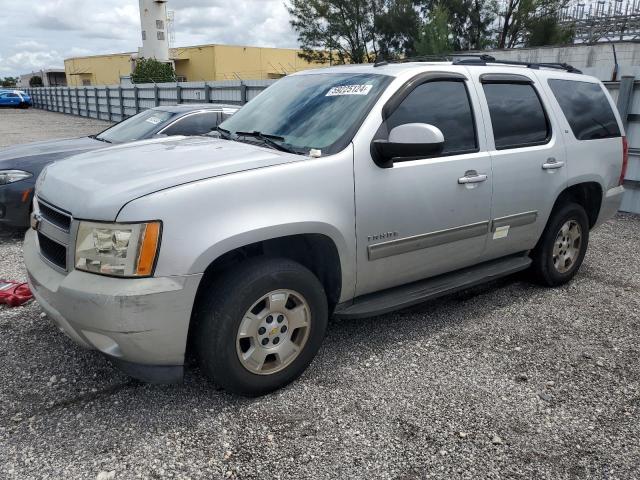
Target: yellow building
x=98 y=69
x=194 y=64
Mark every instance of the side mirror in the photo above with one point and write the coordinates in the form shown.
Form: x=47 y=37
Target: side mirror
x=408 y=141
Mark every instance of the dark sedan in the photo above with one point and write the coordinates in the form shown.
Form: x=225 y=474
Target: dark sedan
x=20 y=165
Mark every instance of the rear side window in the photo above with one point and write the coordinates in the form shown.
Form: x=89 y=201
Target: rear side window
x=586 y=108
x=517 y=115
x=443 y=104
x=196 y=124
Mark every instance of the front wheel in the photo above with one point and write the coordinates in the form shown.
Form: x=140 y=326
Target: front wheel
x=260 y=326
x=562 y=247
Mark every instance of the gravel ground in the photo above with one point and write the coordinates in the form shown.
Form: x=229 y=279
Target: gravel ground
x=508 y=380
x=23 y=126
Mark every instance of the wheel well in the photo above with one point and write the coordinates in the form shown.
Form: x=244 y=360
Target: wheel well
x=588 y=195
x=315 y=251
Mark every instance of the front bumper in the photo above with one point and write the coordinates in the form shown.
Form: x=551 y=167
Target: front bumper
x=142 y=324
x=15 y=203
x=610 y=204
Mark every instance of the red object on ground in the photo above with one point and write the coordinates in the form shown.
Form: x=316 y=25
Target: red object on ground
x=14 y=294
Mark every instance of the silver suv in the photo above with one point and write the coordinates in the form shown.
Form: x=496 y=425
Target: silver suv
x=349 y=191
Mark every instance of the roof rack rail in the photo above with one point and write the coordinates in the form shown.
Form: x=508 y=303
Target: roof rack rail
x=422 y=58
x=483 y=59
x=476 y=59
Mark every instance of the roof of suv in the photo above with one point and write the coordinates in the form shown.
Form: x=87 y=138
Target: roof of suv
x=395 y=69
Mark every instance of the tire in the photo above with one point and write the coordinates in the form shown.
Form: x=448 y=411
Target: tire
x=291 y=294
x=559 y=254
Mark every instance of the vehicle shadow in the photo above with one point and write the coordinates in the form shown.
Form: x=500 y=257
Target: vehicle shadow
x=11 y=233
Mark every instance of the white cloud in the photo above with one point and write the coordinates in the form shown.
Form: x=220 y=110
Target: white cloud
x=56 y=29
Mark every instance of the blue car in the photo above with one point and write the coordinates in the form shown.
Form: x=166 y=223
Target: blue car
x=15 y=98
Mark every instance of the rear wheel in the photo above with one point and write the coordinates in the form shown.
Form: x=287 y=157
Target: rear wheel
x=260 y=326
x=563 y=245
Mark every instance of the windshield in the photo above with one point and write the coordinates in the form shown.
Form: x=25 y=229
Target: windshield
x=318 y=111
x=135 y=128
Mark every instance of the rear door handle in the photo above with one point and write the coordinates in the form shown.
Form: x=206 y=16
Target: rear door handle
x=552 y=164
x=471 y=176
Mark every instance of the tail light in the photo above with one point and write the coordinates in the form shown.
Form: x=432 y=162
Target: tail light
x=625 y=160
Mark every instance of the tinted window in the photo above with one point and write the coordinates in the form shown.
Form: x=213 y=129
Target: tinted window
x=586 y=108
x=517 y=115
x=445 y=105
x=196 y=124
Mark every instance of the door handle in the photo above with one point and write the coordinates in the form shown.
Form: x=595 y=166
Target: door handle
x=552 y=164
x=471 y=176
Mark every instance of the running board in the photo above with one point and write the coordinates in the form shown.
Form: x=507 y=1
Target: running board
x=406 y=295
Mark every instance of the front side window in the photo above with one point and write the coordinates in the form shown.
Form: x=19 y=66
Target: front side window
x=586 y=108
x=319 y=111
x=138 y=127
x=443 y=104
x=517 y=115
x=195 y=124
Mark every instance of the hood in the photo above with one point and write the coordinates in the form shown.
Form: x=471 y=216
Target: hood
x=32 y=157
x=96 y=185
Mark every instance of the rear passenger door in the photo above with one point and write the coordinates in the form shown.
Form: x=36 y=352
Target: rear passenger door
x=527 y=158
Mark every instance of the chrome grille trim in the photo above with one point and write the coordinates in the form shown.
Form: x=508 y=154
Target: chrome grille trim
x=54 y=215
x=55 y=226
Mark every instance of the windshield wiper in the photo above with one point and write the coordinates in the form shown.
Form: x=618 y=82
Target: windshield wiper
x=100 y=139
x=226 y=134
x=271 y=140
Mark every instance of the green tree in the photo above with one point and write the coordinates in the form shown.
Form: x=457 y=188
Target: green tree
x=546 y=30
x=398 y=26
x=9 y=81
x=532 y=22
x=150 y=70
x=470 y=21
x=336 y=31
x=36 y=81
x=435 y=35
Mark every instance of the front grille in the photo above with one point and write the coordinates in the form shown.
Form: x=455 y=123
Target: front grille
x=56 y=217
x=53 y=251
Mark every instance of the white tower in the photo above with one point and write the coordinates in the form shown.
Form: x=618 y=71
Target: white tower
x=155 y=36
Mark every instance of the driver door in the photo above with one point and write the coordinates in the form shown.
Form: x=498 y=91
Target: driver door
x=426 y=216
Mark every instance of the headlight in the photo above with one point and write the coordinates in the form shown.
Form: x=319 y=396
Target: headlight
x=10 y=176
x=118 y=249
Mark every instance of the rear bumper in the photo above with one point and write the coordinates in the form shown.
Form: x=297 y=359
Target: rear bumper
x=610 y=204
x=141 y=324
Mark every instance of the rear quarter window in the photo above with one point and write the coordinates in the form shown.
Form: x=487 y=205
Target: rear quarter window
x=586 y=108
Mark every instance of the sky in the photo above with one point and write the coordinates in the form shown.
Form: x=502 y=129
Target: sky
x=37 y=34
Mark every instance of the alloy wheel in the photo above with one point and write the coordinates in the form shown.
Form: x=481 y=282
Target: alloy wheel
x=273 y=332
x=566 y=248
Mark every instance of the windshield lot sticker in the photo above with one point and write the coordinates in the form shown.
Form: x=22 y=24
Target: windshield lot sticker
x=349 y=90
x=154 y=120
